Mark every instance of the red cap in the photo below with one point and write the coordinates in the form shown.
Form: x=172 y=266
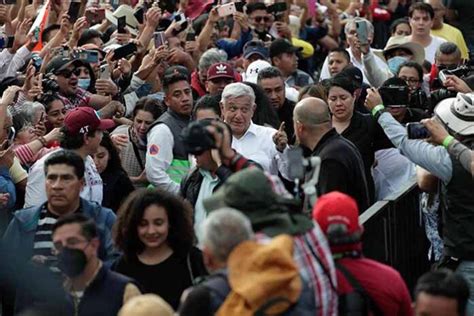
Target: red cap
x=220 y=70
x=82 y=119
x=337 y=208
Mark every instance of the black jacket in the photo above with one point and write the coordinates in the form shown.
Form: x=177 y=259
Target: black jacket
x=191 y=183
x=342 y=168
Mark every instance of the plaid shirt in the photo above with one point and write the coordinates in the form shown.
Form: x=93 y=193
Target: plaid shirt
x=325 y=295
x=80 y=98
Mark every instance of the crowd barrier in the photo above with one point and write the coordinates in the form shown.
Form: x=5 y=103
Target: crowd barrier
x=394 y=234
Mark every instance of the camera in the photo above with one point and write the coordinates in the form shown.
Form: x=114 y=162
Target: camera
x=419 y=100
x=441 y=94
x=196 y=137
x=49 y=85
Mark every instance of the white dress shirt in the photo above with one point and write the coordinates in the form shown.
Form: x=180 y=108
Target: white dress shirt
x=257 y=145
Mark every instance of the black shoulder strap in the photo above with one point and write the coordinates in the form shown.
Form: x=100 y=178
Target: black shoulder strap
x=356 y=285
x=137 y=153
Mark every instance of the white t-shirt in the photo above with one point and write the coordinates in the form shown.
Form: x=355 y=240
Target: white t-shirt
x=430 y=50
x=36 y=190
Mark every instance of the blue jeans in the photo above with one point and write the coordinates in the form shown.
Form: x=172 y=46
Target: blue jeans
x=466 y=269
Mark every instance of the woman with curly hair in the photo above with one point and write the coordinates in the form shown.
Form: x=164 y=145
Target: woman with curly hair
x=155 y=234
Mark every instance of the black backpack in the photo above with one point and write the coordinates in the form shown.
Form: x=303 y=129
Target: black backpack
x=358 y=302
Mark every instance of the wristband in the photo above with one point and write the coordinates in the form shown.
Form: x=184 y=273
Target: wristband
x=43 y=141
x=447 y=141
x=377 y=109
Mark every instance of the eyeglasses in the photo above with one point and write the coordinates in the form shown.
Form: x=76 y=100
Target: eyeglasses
x=259 y=19
x=67 y=73
x=410 y=80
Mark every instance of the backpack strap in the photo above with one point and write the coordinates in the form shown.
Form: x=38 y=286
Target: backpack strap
x=372 y=306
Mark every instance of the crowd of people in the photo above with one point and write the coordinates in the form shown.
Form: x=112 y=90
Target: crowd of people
x=198 y=157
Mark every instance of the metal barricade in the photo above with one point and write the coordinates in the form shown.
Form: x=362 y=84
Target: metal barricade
x=394 y=234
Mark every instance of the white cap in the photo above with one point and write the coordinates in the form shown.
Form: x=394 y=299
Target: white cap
x=458 y=113
x=254 y=68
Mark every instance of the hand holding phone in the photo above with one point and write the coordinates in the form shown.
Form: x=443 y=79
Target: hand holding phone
x=417 y=131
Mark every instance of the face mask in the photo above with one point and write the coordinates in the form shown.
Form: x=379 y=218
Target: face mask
x=84 y=83
x=72 y=262
x=395 y=62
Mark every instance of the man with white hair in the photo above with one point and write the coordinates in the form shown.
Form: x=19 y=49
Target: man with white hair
x=264 y=145
x=354 y=50
x=222 y=231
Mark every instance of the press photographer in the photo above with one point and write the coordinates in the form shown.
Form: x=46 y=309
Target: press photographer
x=457 y=115
x=209 y=140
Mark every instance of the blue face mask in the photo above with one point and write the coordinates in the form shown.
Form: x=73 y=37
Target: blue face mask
x=395 y=62
x=83 y=83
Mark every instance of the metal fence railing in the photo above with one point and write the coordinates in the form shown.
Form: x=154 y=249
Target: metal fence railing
x=394 y=234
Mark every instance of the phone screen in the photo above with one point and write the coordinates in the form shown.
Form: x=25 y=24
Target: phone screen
x=417 y=131
x=73 y=11
x=139 y=15
x=125 y=51
x=121 y=24
x=395 y=96
x=159 y=39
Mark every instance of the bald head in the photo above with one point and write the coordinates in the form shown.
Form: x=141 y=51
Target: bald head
x=311 y=112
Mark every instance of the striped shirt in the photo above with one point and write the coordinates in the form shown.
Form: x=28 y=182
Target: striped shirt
x=43 y=240
x=319 y=272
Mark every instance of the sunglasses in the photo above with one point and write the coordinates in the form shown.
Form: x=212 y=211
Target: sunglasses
x=68 y=73
x=259 y=19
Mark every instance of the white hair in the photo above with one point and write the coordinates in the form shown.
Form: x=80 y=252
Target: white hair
x=236 y=90
x=210 y=57
x=351 y=22
x=31 y=108
x=223 y=230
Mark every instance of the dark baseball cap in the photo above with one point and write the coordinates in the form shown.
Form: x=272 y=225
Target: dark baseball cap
x=82 y=119
x=255 y=47
x=354 y=74
x=281 y=46
x=60 y=63
x=177 y=71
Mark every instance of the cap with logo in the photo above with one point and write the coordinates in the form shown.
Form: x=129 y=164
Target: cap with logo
x=251 y=74
x=220 y=70
x=82 y=119
x=255 y=48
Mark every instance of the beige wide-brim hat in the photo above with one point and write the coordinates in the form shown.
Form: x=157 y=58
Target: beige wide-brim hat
x=127 y=11
x=395 y=42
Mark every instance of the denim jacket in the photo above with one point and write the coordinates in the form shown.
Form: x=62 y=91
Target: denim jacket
x=22 y=228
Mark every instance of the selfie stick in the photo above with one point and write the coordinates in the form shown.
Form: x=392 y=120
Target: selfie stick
x=309 y=187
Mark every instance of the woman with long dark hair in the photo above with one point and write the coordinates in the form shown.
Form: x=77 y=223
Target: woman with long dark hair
x=155 y=234
x=116 y=183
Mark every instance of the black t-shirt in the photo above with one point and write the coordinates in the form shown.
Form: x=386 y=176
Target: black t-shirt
x=368 y=137
x=167 y=279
